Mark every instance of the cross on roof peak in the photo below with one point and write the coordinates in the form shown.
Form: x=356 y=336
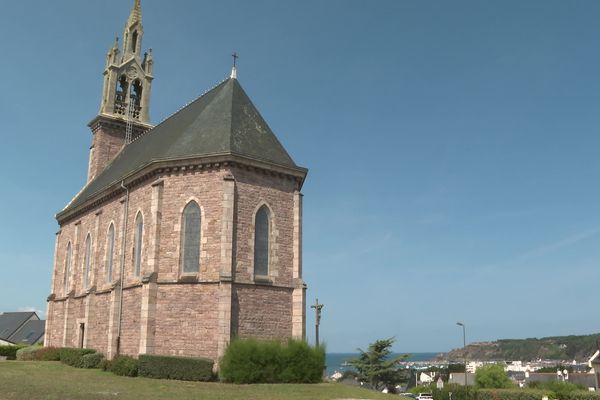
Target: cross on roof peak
x=234 y=68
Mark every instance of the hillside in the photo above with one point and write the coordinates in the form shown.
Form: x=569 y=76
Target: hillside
x=579 y=348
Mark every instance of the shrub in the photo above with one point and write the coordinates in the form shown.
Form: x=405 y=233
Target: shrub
x=581 y=395
x=91 y=360
x=560 y=389
x=104 y=365
x=302 y=363
x=169 y=367
x=74 y=356
x=511 y=394
x=492 y=376
x=459 y=392
x=123 y=366
x=10 y=351
x=47 y=354
x=251 y=361
x=27 y=353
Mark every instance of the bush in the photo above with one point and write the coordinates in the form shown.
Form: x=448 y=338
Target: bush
x=38 y=353
x=581 y=395
x=251 y=361
x=10 y=351
x=47 y=354
x=302 y=363
x=492 y=376
x=511 y=394
x=169 y=367
x=27 y=353
x=91 y=360
x=560 y=389
x=459 y=392
x=104 y=365
x=74 y=356
x=123 y=366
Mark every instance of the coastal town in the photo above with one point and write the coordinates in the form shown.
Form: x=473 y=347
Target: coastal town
x=439 y=372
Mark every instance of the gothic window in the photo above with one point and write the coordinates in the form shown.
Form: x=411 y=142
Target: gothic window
x=122 y=88
x=134 y=41
x=121 y=92
x=137 y=244
x=190 y=238
x=261 y=242
x=87 y=261
x=110 y=249
x=136 y=97
x=68 y=258
x=136 y=91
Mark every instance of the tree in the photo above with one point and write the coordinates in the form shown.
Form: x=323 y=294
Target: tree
x=492 y=377
x=376 y=367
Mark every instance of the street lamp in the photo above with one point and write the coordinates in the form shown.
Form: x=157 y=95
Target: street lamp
x=464 y=348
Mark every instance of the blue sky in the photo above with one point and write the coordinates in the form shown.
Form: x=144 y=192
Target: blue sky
x=452 y=147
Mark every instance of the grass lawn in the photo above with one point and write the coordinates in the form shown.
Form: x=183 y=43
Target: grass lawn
x=48 y=380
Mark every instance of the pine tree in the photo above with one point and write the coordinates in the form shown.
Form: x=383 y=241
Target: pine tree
x=376 y=367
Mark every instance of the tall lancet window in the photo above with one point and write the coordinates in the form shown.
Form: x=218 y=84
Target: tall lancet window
x=190 y=238
x=261 y=242
x=134 y=39
x=87 y=261
x=110 y=250
x=137 y=244
x=68 y=259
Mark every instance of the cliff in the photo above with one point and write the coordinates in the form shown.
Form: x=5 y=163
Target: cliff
x=579 y=348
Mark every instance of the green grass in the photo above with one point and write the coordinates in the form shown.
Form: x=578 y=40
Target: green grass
x=49 y=380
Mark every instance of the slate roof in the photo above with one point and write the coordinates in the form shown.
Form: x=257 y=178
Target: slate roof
x=30 y=333
x=11 y=321
x=223 y=121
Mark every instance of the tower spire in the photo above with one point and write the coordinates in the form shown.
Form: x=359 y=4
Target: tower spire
x=125 y=105
x=136 y=13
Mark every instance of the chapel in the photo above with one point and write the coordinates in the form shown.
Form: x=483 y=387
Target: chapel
x=186 y=234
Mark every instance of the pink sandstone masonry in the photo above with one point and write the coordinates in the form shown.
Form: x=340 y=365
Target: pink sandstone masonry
x=162 y=310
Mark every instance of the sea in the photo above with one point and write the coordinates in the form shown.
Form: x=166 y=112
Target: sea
x=336 y=361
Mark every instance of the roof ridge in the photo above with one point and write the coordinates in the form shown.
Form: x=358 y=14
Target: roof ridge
x=186 y=105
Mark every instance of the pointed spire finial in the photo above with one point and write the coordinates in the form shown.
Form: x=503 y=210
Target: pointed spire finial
x=136 y=13
x=234 y=69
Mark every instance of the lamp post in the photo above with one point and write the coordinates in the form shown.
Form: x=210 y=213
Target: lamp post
x=464 y=348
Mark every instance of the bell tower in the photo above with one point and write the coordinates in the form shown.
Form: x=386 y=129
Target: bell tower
x=124 y=108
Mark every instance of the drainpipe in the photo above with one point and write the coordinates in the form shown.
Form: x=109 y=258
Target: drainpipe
x=122 y=277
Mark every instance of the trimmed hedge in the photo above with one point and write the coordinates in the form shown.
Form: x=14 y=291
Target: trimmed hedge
x=581 y=395
x=10 y=351
x=47 y=354
x=91 y=360
x=27 y=353
x=459 y=392
x=38 y=353
x=74 y=356
x=512 y=394
x=170 y=367
x=123 y=366
x=251 y=361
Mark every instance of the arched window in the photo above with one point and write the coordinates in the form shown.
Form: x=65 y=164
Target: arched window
x=87 y=261
x=137 y=244
x=190 y=238
x=261 y=242
x=110 y=249
x=68 y=258
x=136 y=92
x=134 y=41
